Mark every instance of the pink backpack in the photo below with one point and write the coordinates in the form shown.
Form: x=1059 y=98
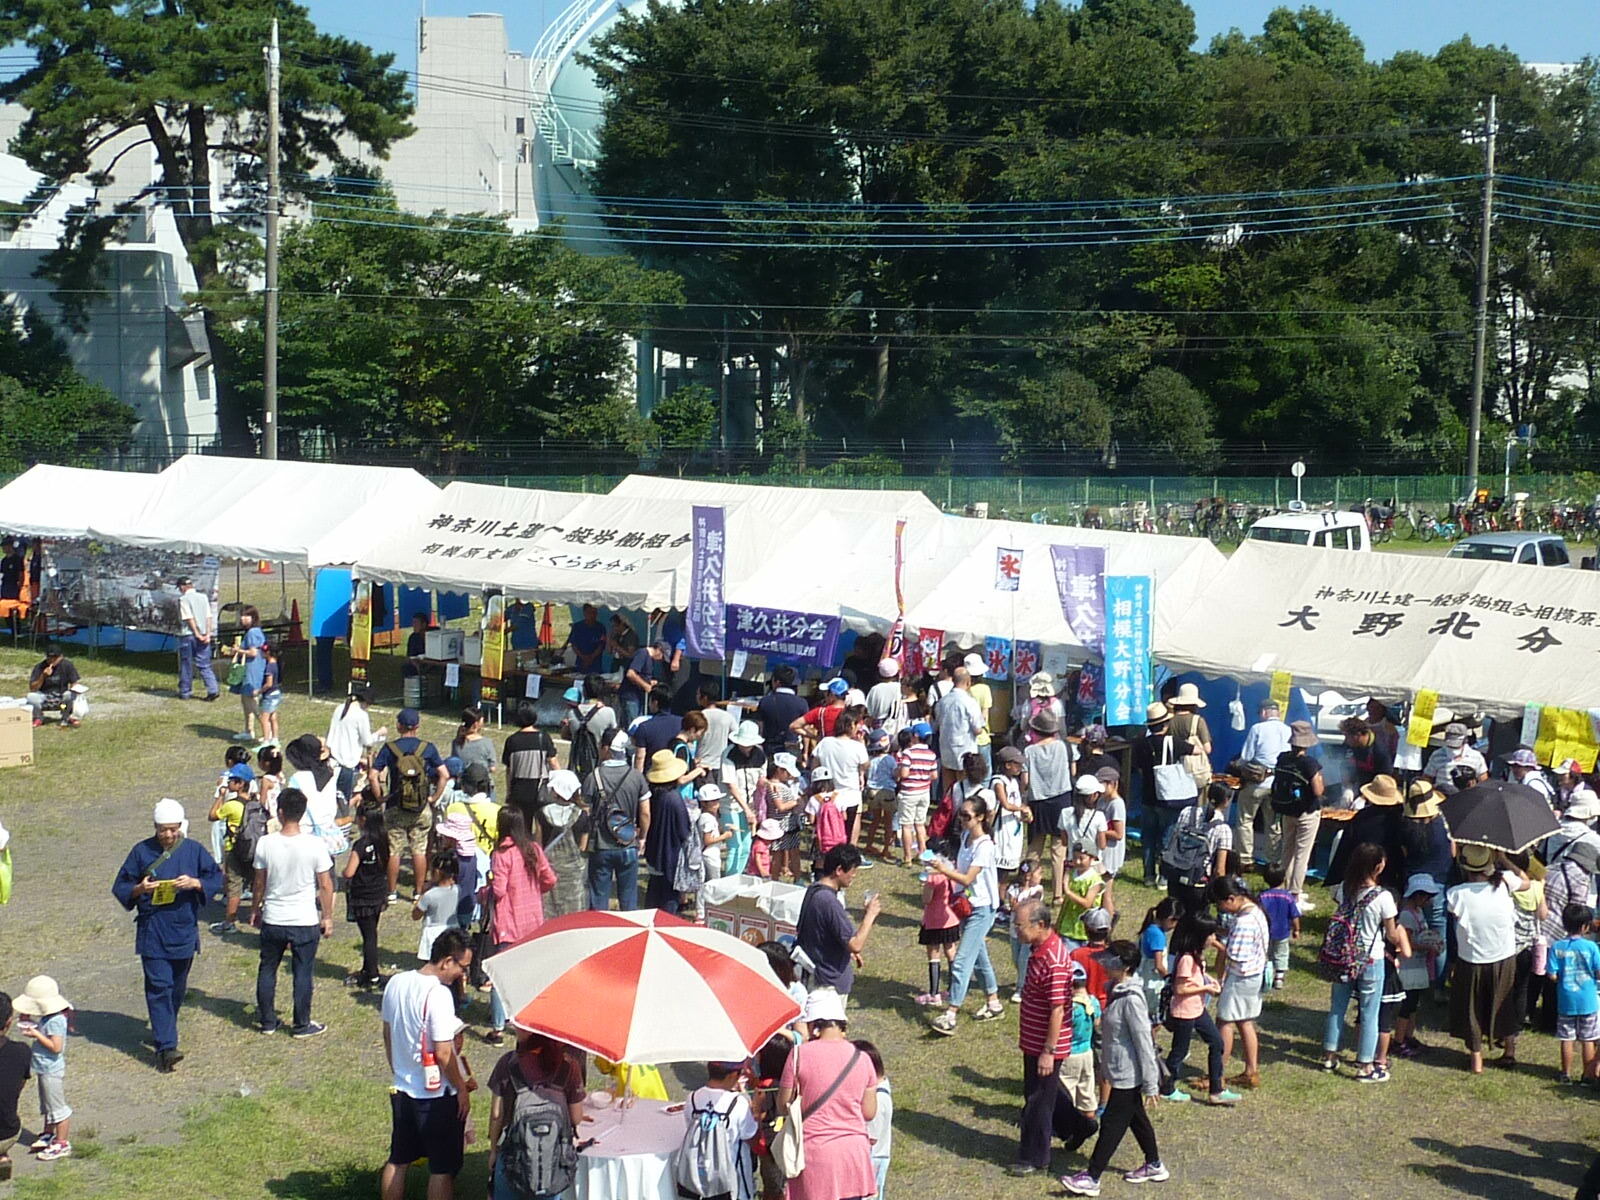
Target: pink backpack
x=830 y=829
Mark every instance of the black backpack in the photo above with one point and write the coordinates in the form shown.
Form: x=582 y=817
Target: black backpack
x=252 y=828
x=1291 y=786
x=585 y=753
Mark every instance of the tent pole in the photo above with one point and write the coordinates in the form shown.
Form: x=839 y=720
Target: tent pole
x=311 y=642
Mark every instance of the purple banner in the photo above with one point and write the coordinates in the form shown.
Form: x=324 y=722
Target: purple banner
x=1081 y=583
x=795 y=637
x=707 y=618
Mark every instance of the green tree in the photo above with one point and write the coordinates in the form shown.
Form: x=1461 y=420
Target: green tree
x=1165 y=410
x=48 y=411
x=187 y=76
x=685 y=422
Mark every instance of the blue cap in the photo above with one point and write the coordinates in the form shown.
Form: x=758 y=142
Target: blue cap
x=408 y=718
x=837 y=686
x=453 y=765
x=922 y=729
x=573 y=695
x=241 y=772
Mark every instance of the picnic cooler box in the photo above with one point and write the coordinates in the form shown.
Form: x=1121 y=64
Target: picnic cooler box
x=752 y=909
x=444 y=643
x=16 y=736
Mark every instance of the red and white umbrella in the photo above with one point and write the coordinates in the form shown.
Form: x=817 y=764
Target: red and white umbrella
x=642 y=987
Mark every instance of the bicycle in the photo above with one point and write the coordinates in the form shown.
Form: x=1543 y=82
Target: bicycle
x=1429 y=527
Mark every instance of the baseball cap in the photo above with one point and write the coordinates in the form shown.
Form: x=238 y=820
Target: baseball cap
x=1570 y=766
x=878 y=737
x=1097 y=918
x=1080 y=973
x=837 y=686
x=975 y=665
x=1087 y=785
x=1108 y=775
x=573 y=695
x=182 y=581
x=475 y=778
x=1522 y=757
x=408 y=718
x=241 y=772
x=709 y=793
x=922 y=729
x=453 y=766
x=1455 y=734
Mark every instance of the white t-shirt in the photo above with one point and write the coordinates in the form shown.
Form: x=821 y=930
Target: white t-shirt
x=1115 y=853
x=985 y=889
x=438 y=905
x=349 y=735
x=707 y=823
x=880 y=1130
x=1486 y=921
x=322 y=808
x=740 y=1119
x=844 y=758
x=1082 y=828
x=194 y=605
x=406 y=998
x=292 y=865
x=1444 y=760
x=713 y=747
x=1369 y=926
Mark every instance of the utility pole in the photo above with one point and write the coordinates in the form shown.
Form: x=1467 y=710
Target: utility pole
x=269 y=379
x=1481 y=333
x=722 y=420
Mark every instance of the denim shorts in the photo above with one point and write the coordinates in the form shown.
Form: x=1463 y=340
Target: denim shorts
x=269 y=703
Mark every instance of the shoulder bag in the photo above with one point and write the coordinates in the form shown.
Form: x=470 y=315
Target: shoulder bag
x=1174 y=784
x=788 y=1139
x=1197 y=764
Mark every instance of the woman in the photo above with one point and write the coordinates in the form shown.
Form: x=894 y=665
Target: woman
x=1192 y=988
x=974 y=871
x=558 y=822
x=247 y=653
x=686 y=745
x=351 y=738
x=1381 y=822
x=470 y=745
x=742 y=770
x=668 y=835
x=519 y=875
x=1244 y=967
x=366 y=876
x=1372 y=908
x=1486 y=954
x=838 y=1092
x=536 y=1062
x=314 y=775
x=1429 y=851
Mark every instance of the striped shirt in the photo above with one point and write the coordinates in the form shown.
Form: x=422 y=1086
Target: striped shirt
x=920 y=765
x=1247 y=942
x=1047 y=986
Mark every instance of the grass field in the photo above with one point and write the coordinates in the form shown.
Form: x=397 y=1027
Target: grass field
x=249 y=1117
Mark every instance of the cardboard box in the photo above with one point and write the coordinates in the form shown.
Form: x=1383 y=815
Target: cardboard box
x=16 y=737
x=445 y=643
x=752 y=909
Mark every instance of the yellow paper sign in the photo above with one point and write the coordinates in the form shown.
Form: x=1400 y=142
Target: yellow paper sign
x=1281 y=681
x=165 y=893
x=1565 y=733
x=361 y=623
x=1420 y=727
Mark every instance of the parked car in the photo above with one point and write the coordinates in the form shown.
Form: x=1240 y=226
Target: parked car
x=1329 y=530
x=1534 y=549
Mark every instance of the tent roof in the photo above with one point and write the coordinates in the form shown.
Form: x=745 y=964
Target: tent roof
x=457 y=540
x=1469 y=630
x=62 y=502
x=905 y=503
x=312 y=513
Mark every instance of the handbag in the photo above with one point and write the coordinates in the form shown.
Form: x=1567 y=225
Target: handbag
x=236 y=674
x=1197 y=764
x=961 y=906
x=1174 y=783
x=788 y=1138
x=482 y=940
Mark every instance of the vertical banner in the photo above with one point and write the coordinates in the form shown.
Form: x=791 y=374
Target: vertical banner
x=997 y=657
x=1007 y=569
x=1027 y=655
x=1127 y=641
x=1420 y=727
x=1082 y=585
x=708 y=621
x=1281 y=682
x=492 y=669
x=929 y=644
x=361 y=631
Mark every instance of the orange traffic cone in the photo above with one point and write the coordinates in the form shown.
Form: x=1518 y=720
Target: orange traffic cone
x=263 y=567
x=297 y=636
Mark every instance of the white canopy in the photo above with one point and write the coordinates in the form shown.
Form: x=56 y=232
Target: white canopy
x=465 y=538
x=63 y=502
x=906 y=503
x=1482 y=634
x=310 y=513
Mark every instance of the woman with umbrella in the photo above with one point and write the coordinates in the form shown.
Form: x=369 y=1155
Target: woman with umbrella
x=1486 y=954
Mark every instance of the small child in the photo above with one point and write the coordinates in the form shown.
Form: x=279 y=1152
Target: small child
x=271 y=695
x=436 y=907
x=719 y=1110
x=15 y=1068
x=880 y=1130
x=1415 y=971
x=1155 y=965
x=709 y=829
x=940 y=932
x=1077 y=1072
x=269 y=782
x=231 y=758
x=230 y=810
x=879 y=838
x=1084 y=887
x=768 y=832
x=1577 y=964
x=1028 y=885
x=1097 y=928
x=788 y=973
x=828 y=828
x=1283 y=922
x=46 y=1017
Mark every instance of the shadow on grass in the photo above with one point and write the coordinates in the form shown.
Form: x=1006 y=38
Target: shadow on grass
x=213 y=733
x=229 y=1009
x=1493 y=1171
x=116 y=1031
x=958 y=1138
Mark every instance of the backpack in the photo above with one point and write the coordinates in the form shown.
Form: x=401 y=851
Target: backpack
x=408 y=777
x=584 y=755
x=830 y=829
x=1291 y=787
x=252 y=828
x=536 y=1145
x=1342 y=957
x=619 y=826
x=1188 y=844
x=711 y=1161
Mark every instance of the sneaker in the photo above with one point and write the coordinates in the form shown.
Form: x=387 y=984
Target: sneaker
x=210 y=696
x=55 y=1150
x=311 y=1029
x=1151 y=1172
x=221 y=927
x=244 y=736
x=393 y=898
x=1016 y=996
x=1021 y=1170
x=1330 y=1064
x=1081 y=1184
x=945 y=1023
x=928 y=999
x=1403 y=1050
x=1374 y=1075
x=1224 y=1098
x=867 y=864
x=267 y=1030
x=1178 y=1096
x=167 y=1061
x=37 y=722
x=986 y=1013
x=44 y=1141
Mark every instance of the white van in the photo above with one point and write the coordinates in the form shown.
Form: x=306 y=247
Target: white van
x=1330 y=530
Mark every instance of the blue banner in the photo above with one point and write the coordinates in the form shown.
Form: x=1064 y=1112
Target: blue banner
x=707 y=618
x=795 y=637
x=1128 y=606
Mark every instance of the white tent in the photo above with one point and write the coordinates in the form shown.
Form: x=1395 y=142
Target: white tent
x=1485 y=635
x=63 y=502
x=465 y=538
x=906 y=503
x=314 y=514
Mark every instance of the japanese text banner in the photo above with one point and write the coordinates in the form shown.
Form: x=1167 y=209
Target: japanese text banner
x=1080 y=573
x=795 y=637
x=707 y=618
x=1127 y=682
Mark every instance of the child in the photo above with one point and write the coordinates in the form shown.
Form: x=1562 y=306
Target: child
x=471 y=799
x=940 y=932
x=880 y=1130
x=436 y=907
x=1029 y=885
x=231 y=758
x=708 y=828
x=880 y=795
x=1084 y=887
x=15 y=1068
x=271 y=695
x=916 y=767
x=1415 y=970
x=1577 y=964
x=1155 y=966
x=824 y=814
x=1077 y=1072
x=1191 y=988
x=767 y=833
x=1128 y=1057
x=366 y=875
x=719 y=1110
x=1244 y=959
x=1283 y=922
x=230 y=810
x=46 y=1014
x=1115 y=852
x=1097 y=929
x=788 y=973
x=269 y=782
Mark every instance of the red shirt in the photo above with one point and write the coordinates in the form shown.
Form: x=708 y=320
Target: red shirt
x=1097 y=973
x=1047 y=986
x=825 y=718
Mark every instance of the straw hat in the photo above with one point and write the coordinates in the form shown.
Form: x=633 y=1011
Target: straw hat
x=41 y=998
x=666 y=767
x=1422 y=798
x=1475 y=857
x=1188 y=697
x=1301 y=735
x=1382 y=791
x=1156 y=714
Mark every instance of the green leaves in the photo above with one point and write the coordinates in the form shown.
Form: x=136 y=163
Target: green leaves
x=49 y=412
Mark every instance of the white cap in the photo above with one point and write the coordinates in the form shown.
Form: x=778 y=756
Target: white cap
x=888 y=668
x=709 y=793
x=824 y=1004
x=787 y=762
x=975 y=665
x=168 y=812
x=564 y=784
x=1088 y=785
x=854 y=697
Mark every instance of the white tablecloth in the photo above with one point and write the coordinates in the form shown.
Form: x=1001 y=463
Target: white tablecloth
x=634 y=1154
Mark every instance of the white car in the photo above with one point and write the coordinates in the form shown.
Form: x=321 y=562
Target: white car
x=1330 y=530
x=1332 y=708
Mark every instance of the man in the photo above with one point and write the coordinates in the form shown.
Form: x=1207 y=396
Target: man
x=778 y=709
x=426 y=1122
x=529 y=755
x=977 y=668
x=645 y=671
x=588 y=641
x=404 y=772
x=824 y=930
x=656 y=732
x=1369 y=758
x=294 y=879
x=1267 y=739
x=416 y=645
x=1456 y=752
x=1383 y=725
x=713 y=747
x=1525 y=770
x=164 y=882
x=817 y=723
x=12 y=569
x=1159 y=814
x=621 y=641
x=52 y=682
x=886 y=702
x=194 y=640
x=960 y=722
x=1297 y=789
x=1045 y=1038
x=588 y=713
x=618 y=800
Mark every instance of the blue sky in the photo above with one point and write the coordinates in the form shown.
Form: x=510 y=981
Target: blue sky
x=1538 y=30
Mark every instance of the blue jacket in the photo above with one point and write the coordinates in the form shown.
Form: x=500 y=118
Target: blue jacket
x=173 y=930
